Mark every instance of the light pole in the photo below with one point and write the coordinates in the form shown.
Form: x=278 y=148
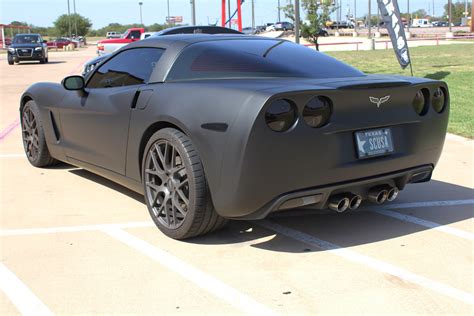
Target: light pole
x=369 y=15
x=279 y=14
x=69 y=18
x=450 y=19
x=253 y=16
x=355 y=16
x=168 y=6
x=297 y=21
x=141 y=18
x=75 y=16
x=193 y=13
x=409 y=16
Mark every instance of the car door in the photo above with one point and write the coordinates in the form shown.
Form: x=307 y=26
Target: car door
x=95 y=122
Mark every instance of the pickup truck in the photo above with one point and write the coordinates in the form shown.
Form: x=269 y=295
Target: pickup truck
x=108 y=46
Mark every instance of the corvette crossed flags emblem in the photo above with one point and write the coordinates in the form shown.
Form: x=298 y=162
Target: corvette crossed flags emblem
x=379 y=101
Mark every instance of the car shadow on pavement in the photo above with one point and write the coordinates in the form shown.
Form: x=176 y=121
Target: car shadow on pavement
x=349 y=229
x=38 y=63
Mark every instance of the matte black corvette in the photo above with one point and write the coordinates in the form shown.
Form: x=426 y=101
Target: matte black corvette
x=216 y=127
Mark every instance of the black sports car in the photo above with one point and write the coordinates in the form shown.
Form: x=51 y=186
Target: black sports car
x=211 y=128
x=27 y=47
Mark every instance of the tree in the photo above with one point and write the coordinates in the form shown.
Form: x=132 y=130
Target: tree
x=457 y=11
x=61 y=24
x=317 y=14
x=419 y=14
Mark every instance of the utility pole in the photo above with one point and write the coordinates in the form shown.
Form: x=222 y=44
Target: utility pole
x=369 y=15
x=228 y=11
x=253 y=16
x=168 y=16
x=75 y=16
x=297 y=21
x=450 y=18
x=193 y=13
x=141 y=17
x=355 y=16
x=279 y=14
x=409 y=16
x=433 y=8
x=69 y=18
x=472 y=16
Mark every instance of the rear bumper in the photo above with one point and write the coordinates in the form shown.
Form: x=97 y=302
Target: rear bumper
x=317 y=198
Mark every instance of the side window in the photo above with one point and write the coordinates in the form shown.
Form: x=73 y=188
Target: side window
x=130 y=67
x=134 y=34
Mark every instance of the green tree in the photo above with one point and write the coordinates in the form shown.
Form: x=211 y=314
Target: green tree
x=61 y=24
x=317 y=14
x=457 y=11
x=419 y=14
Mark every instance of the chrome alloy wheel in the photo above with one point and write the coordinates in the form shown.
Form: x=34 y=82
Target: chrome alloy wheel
x=30 y=133
x=166 y=184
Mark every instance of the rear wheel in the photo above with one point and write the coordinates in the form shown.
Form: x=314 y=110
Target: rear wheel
x=176 y=191
x=34 y=141
x=42 y=60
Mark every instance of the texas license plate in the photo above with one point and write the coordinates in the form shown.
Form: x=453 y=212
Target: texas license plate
x=374 y=142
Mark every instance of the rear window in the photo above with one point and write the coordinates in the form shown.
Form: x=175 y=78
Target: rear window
x=256 y=59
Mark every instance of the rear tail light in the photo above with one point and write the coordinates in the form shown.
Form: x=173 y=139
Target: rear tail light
x=281 y=115
x=317 y=111
x=421 y=101
x=439 y=99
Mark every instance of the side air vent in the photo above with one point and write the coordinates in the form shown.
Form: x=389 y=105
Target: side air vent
x=55 y=127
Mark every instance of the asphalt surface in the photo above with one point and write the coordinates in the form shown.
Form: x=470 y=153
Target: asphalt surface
x=74 y=243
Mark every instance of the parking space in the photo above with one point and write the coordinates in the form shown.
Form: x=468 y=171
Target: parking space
x=74 y=243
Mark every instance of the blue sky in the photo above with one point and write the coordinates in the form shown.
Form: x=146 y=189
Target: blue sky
x=103 y=12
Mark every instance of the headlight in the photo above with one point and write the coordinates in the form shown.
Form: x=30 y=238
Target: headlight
x=38 y=48
x=421 y=101
x=438 y=101
x=11 y=50
x=281 y=115
x=317 y=111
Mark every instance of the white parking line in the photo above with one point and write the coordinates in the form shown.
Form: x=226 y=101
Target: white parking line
x=71 y=229
x=370 y=262
x=20 y=295
x=426 y=204
x=12 y=156
x=189 y=272
x=418 y=221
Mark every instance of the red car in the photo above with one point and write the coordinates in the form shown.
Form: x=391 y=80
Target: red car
x=61 y=42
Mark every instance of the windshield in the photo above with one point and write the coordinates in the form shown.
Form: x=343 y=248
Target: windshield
x=26 y=39
x=225 y=59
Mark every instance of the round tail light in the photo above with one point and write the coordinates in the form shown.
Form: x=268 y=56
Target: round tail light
x=317 y=111
x=438 y=101
x=281 y=115
x=421 y=101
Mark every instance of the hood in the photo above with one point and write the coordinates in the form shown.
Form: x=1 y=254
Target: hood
x=31 y=45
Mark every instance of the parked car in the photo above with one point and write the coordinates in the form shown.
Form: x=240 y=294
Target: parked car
x=200 y=29
x=108 y=46
x=93 y=63
x=146 y=35
x=249 y=31
x=283 y=26
x=270 y=27
x=340 y=24
x=8 y=41
x=206 y=127
x=60 y=42
x=27 y=47
x=421 y=23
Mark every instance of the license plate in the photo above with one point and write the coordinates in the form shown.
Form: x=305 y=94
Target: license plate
x=374 y=142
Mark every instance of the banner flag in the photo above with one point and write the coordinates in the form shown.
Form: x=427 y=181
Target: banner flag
x=392 y=21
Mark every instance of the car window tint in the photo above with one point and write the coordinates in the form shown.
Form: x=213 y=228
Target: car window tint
x=130 y=67
x=256 y=58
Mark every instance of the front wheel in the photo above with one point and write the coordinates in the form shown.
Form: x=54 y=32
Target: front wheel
x=176 y=191
x=10 y=61
x=34 y=141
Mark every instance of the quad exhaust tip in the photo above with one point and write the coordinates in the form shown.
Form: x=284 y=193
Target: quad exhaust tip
x=392 y=194
x=354 y=201
x=339 y=203
x=378 y=195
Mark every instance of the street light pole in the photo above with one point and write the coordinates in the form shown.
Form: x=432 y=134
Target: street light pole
x=193 y=13
x=168 y=16
x=450 y=18
x=279 y=14
x=141 y=18
x=297 y=21
x=369 y=15
x=355 y=16
x=75 y=16
x=69 y=18
x=409 y=16
x=253 y=16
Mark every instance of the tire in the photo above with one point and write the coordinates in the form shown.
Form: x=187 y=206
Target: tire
x=34 y=141
x=42 y=60
x=10 y=60
x=168 y=188
x=46 y=60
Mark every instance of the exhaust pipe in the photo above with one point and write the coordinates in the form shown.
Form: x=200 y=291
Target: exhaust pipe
x=354 y=201
x=339 y=203
x=392 y=194
x=378 y=195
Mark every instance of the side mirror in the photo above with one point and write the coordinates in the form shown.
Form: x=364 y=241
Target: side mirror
x=73 y=83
